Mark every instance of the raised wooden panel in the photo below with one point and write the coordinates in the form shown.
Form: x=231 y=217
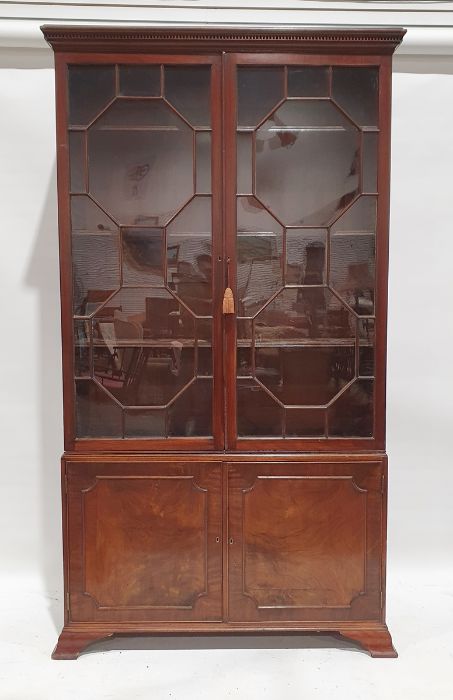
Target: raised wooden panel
x=304 y=541
x=145 y=541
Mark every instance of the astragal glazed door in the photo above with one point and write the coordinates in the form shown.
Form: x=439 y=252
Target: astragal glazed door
x=180 y=191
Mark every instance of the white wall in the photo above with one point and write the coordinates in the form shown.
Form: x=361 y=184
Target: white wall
x=420 y=372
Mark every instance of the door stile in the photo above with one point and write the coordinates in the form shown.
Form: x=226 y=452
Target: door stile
x=218 y=276
x=229 y=187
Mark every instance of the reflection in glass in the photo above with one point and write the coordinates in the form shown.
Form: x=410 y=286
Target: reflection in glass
x=352 y=270
x=259 y=255
x=361 y=103
x=147 y=375
x=366 y=336
x=359 y=218
x=306 y=256
x=203 y=161
x=193 y=220
x=139 y=80
x=308 y=81
x=87 y=217
x=244 y=162
x=191 y=413
x=305 y=132
x=77 y=161
x=189 y=256
x=143 y=256
x=151 y=314
x=143 y=424
x=244 y=361
x=244 y=328
x=143 y=174
x=191 y=276
x=90 y=89
x=82 y=364
x=188 y=88
x=304 y=422
x=95 y=270
x=369 y=162
x=352 y=413
x=298 y=313
x=309 y=376
x=97 y=414
x=203 y=327
x=257 y=412
x=259 y=90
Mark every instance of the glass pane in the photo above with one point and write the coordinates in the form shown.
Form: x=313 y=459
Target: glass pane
x=193 y=220
x=309 y=376
x=361 y=102
x=90 y=90
x=86 y=217
x=369 y=162
x=145 y=424
x=308 y=81
x=141 y=162
x=82 y=364
x=359 y=218
x=258 y=414
x=244 y=163
x=189 y=256
x=77 y=161
x=96 y=270
x=298 y=313
x=135 y=114
x=191 y=413
x=302 y=132
x=147 y=375
x=352 y=270
x=244 y=360
x=306 y=256
x=191 y=277
x=366 y=347
x=304 y=422
x=188 y=88
x=203 y=161
x=259 y=90
x=204 y=344
x=143 y=256
x=352 y=413
x=97 y=415
x=139 y=80
x=148 y=316
x=259 y=255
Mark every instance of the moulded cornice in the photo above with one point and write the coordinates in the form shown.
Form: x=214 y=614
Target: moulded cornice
x=323 y=39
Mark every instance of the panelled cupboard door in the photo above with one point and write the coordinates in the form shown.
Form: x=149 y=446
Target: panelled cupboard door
x=305 y=541
x=144 y=541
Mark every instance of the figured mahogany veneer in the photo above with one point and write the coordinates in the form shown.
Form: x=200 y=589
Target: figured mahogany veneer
x=224 y=468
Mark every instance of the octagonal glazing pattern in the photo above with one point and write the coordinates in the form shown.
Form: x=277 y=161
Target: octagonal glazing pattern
x=307 y=162
x=139 y=156
x=306 y=349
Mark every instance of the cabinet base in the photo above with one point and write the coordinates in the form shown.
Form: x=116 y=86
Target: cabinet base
x=375 y=639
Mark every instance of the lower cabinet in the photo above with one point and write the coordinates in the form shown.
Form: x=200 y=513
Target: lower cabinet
x=146 y=542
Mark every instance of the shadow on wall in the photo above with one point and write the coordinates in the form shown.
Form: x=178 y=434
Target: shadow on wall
x=42 y=274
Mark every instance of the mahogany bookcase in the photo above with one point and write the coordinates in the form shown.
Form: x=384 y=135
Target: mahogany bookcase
x=223 y=217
